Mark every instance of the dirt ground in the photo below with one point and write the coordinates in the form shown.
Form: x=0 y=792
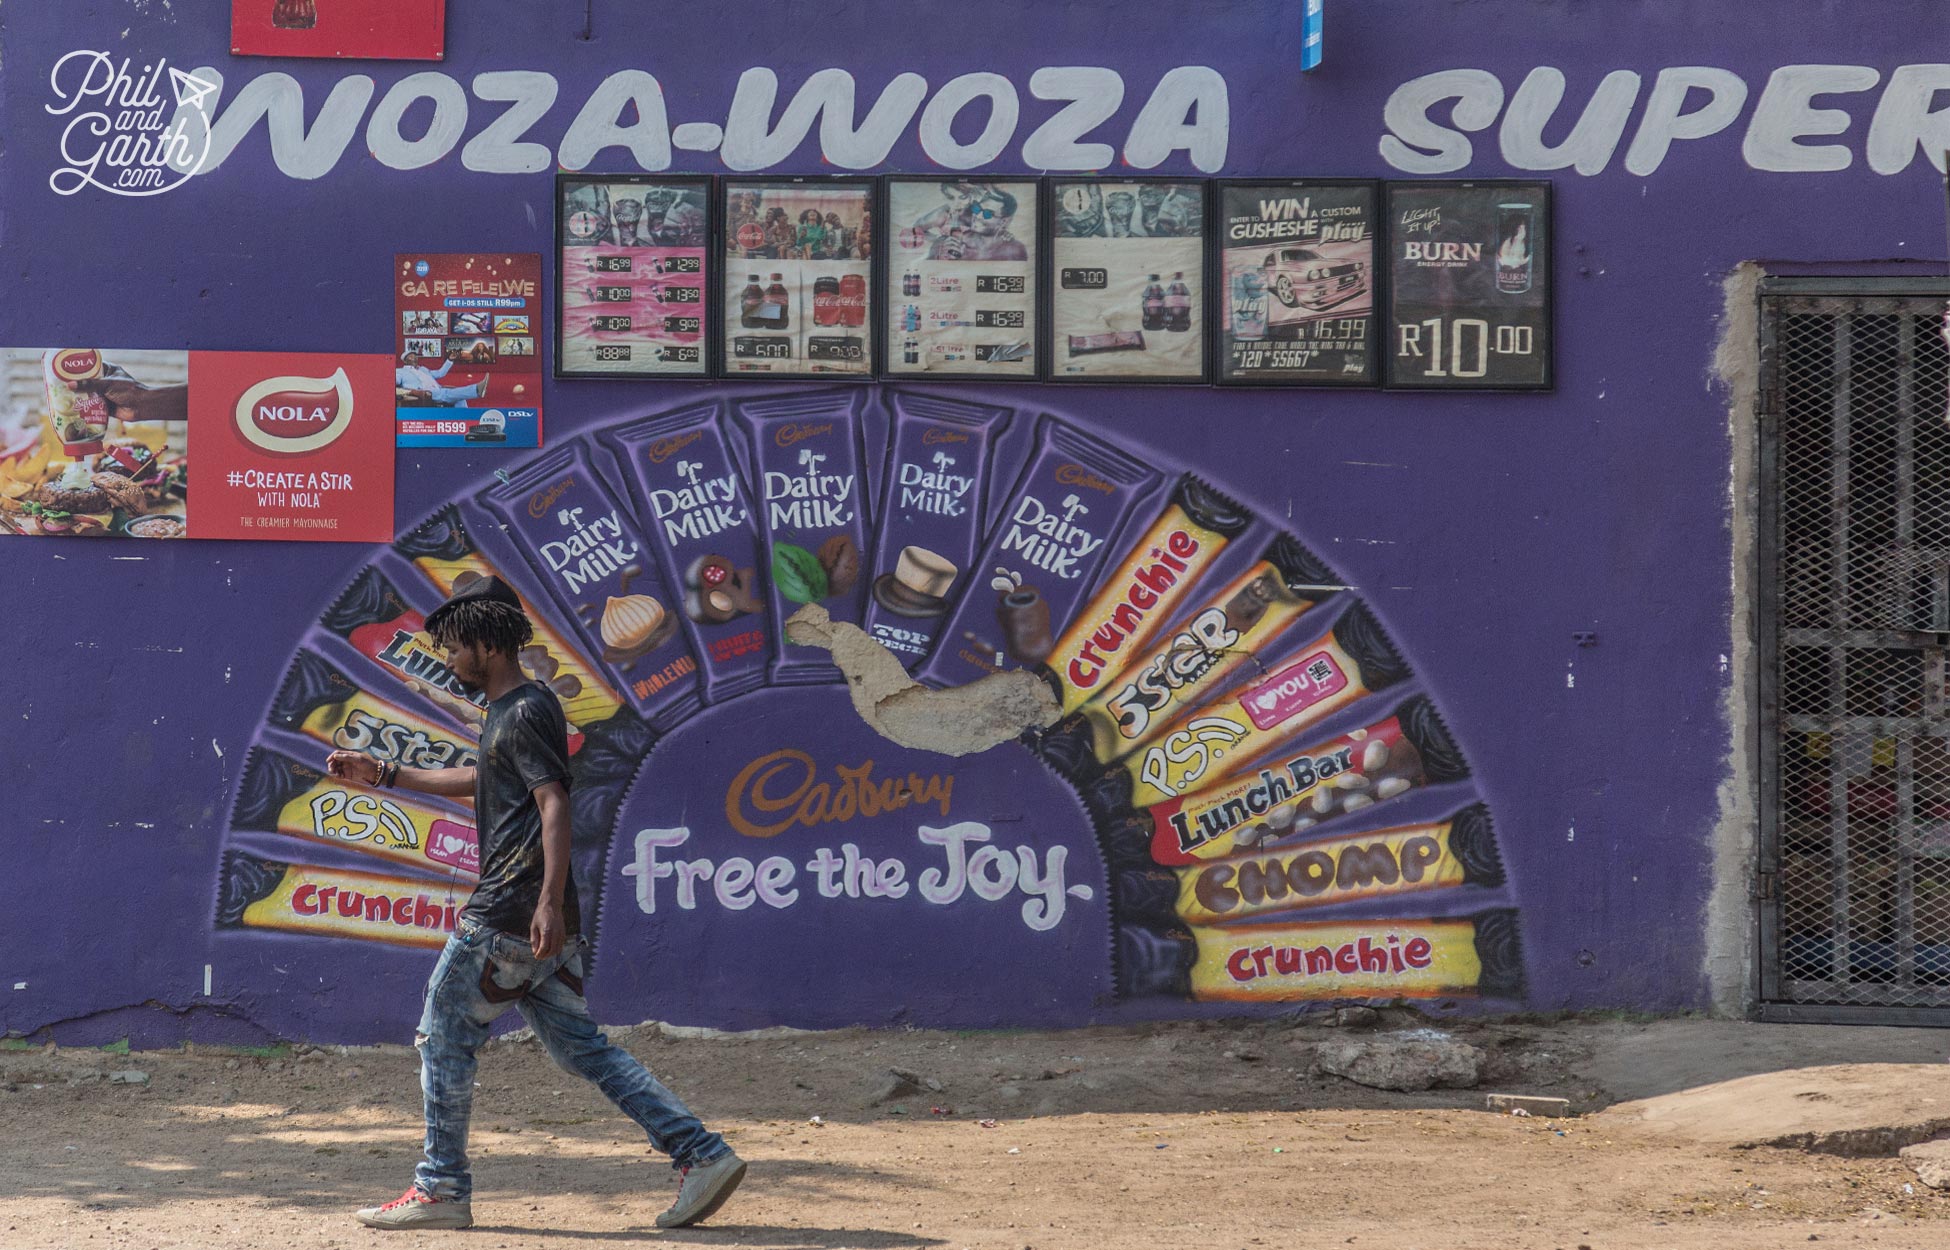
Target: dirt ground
x=1206 y=1137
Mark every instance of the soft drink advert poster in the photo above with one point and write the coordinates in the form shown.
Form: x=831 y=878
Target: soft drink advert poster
x=467 y=370
x=798 y=262
x=1129 y=261
x=632 y=299
x=379 y=30
x=98 y=443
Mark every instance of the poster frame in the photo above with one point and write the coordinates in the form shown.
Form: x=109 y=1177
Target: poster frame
x=726 y=187
x=712 y=256
x=1038 y=281
x=1547 y=193
x=1379 y=280
x=1047 y=345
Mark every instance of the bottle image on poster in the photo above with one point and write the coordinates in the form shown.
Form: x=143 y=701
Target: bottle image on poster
x=797 y=267
x=961 y=278
x=631 y=277
x=1128 y=295
x=1469 y=285
x=1298 y=300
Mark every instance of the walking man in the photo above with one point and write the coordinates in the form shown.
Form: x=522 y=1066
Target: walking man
x=519 y=939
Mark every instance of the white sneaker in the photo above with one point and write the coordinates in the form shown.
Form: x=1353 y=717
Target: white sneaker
x=704 y=1189
x=414 y=1209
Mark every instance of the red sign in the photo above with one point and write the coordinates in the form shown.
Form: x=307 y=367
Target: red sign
x=292 y=446
x=390 y=30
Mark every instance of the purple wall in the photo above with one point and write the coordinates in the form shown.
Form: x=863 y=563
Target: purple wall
x=1483 y=530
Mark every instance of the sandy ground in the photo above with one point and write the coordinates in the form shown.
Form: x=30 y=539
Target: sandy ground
x=1181 y=1136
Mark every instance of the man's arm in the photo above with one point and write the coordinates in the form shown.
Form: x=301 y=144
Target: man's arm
x=442 y=371
x=363 y=770
x=545 y=933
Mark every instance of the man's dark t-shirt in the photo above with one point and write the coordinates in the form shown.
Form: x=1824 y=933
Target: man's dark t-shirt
x=525 y=745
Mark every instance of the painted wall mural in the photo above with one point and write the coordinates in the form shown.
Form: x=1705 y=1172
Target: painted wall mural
x=1249 y=796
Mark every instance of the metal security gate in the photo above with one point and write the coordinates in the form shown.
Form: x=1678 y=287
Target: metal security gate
x=1854 y=547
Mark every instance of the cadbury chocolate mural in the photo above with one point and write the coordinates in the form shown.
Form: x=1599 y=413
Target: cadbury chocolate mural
x=1249 y=797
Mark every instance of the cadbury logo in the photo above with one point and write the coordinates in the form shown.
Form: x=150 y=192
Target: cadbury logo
x=1077 y=475
x=777 y=791
x=935 y=434
x=664 y=448
x=542 y=500
x=800 y=431
x=295 y=415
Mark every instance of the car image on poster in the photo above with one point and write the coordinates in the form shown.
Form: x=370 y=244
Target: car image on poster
x=960 y=299
x=1469 y=285
x=632 y=283
x=1127 y=296
x=1299 y=276
x=797 y=274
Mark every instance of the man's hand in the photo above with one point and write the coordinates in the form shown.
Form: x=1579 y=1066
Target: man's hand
x=545 y=930
x=137 y=401
x=353 y=766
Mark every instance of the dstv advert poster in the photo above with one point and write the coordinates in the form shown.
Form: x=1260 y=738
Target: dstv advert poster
x=467 y=372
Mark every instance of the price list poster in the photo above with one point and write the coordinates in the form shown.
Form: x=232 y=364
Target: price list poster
x=631 y=277
x=1128 y=299
x=467 y=371
x=798 y=275
x=961 y=278
x=1469 y=282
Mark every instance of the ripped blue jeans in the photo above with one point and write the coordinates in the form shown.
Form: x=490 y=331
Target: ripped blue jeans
x=482 y=972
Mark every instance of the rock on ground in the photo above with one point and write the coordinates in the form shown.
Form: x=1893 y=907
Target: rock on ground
x=1422 y=1060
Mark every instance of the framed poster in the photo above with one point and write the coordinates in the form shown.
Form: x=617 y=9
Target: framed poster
x=797 y=277
x=1297 y=265
x=959 y=285
x=1469 y=285
x=631 y=276
x=1127 y=293
x=379 y=30
x=465 y=326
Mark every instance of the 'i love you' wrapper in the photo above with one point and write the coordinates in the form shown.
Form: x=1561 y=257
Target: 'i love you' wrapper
x=809 y=473
x=1245 y=622
x=1459 y=849
x=696 y=518
x=1140 y=593
x=1067 y=509
x=1293 y=792
x=280 y=795
x=319 y=701
x=1473 y=956
x=933 y=498
x=596 y=566
x=256 y=893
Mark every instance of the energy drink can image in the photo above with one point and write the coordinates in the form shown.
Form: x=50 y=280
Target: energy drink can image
x=1513 y=247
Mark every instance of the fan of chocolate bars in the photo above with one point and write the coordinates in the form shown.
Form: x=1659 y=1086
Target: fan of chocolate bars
x=1282 y=812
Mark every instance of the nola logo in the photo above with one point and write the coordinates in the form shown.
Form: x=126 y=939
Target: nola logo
x=294 y=415
x=123 y=134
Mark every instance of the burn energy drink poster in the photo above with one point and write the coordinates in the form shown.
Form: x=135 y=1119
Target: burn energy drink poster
x=1469 y=285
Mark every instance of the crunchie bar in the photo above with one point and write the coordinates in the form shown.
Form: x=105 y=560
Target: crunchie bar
x=933 y=501
x=1244 y=622
x=1294 y=791
x=442 y=549
x=319 y=701
x=1457 y=850
x=693 y=509
x=255 y=893
x=281 y=795
x=1468 y=956
x=1141 y=591
x=588 y=553
x=1072 y=500
x=809 y=476
x=376 y=620
x=1205 y=745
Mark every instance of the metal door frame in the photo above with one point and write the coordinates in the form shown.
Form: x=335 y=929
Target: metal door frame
x=1849 y=294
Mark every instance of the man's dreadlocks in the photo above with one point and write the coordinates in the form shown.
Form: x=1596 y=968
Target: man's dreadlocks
x=497 y=626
